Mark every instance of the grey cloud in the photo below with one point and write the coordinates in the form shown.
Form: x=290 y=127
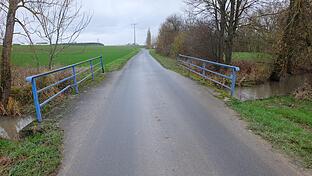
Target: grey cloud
x=111 y=22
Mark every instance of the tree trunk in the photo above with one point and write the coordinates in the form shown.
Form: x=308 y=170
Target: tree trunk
x=222 y=31
x=284 y=62
x=228 y=51
x=50 y=62
x=52 y=53
x=278 y=68
x=230 y=34
x=6 y=53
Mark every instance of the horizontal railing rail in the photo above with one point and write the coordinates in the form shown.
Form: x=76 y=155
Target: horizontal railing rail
x=73 y=78
x=188 y=63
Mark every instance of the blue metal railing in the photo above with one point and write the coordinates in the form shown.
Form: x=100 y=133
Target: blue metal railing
x=74 y=74
x=187 y=62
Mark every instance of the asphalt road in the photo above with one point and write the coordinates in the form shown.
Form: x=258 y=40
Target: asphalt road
x=148 y=121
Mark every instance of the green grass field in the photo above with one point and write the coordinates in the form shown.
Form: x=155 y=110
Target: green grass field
x=23 y=55
x=284 y=121
x=252 y=56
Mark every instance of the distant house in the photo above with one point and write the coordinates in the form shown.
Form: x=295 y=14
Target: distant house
x=83 y=44
x=42 y=43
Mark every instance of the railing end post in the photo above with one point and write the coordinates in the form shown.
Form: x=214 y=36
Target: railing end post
x=233 y=81
x=39 y=118
x=91 y=69
x=237 y=69
x=29 y=79
x=35 y=96
x=75 y=80
x=102 y=64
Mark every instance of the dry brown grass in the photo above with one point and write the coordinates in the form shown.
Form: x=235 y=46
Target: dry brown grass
x=252 y=73
x=4 y=161
x=304 y=92
x=12 y=109
x=21 y=94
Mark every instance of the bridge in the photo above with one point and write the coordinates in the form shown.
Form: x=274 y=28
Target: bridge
x=146 y=120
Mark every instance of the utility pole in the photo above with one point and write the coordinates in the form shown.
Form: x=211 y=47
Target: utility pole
x=134 y=37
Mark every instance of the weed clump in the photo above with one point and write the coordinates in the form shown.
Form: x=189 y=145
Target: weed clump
x=304 y=92
x=21 y=94
x=12 y=109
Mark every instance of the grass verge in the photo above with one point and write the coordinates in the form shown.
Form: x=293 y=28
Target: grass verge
x=40 y=153
x=119 y=63
x=283 y=121
x=169 y=63
x=35 y=154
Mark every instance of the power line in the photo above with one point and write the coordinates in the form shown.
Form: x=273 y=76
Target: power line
x=134 y=35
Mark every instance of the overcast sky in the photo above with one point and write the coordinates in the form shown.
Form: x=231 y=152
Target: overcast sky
x=112 y=19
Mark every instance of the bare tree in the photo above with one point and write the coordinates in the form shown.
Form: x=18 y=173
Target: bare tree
x=201 y=40
x=167 y=34
x=296 y=41
x=226 y=15
x=26 y=9
x=262 y=28
x=2 y=24
x=11 y=9
x=61 y=25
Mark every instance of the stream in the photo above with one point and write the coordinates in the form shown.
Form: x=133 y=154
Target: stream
x=269 y=88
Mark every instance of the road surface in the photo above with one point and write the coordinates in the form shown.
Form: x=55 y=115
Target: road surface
x=148 y=121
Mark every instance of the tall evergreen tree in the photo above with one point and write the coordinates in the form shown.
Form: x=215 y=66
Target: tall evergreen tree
x=149 y=39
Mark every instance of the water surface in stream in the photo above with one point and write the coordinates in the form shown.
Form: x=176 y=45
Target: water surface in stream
x=268 y=89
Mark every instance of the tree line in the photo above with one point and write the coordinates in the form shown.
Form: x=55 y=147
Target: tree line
x=214 y=29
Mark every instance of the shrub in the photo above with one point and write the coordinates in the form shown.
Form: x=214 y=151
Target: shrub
x=252 y=72
x=304 y=92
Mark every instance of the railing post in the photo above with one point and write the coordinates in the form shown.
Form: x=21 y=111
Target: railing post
x=75 y=80
x=91 y=69
x=102 y=64
x=36 y=100
x=187 y=65
x=233 y=76
x=204 y=69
